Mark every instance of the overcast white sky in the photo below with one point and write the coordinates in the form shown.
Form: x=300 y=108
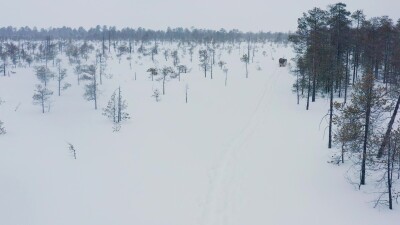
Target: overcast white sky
x=245 y=15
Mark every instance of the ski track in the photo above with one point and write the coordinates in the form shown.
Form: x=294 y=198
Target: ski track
x=224 y=184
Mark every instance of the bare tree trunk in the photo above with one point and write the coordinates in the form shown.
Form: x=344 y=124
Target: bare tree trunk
x=248 y=50
x=314 y=72
x=211 y=66
x=186 y=94
x=101 y=69
x=95 y=90
x=389 y=129
x=346 y=82
x=330 y=116
x=109 y=41
x=163 y=85
x=247 y=73
x=226 y=78
x=342 y=152
x=119 y=105
x=366 y=131
x=42 y=96
x=297 y=88
x=59 y=79
x=103 y=46
x=390 y=175
x=308 y=93
x=314 y=81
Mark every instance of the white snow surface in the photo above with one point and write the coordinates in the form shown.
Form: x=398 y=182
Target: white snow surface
x=241 y=154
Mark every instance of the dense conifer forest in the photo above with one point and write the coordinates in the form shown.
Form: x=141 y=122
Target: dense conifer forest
x=354 y=61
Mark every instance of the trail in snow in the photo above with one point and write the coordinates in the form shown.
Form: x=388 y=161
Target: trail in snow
x=224 y=184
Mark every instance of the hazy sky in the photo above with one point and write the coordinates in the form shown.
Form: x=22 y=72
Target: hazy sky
x=246 y=15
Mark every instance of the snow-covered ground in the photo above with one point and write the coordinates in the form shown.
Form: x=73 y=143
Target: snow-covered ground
x=234 y=155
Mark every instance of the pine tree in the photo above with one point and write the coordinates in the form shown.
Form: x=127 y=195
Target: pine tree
x=116 y=108
x=153 y=72
x=358 y=123
x=89 y=73
x=166 y=71
x=111 y=110
x=62 y=74
x=43 y=74
x=204 y=58
x=41 y=96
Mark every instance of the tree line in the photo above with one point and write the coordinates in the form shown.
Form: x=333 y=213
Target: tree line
x=139 y=34
x=355 y=60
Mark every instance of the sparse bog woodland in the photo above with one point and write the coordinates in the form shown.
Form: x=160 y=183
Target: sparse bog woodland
x=110 y=125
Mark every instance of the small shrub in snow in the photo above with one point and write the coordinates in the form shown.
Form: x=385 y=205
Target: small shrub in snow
x=72 y=150
x=156 y=95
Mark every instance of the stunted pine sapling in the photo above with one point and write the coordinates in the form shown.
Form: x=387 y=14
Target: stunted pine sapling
x=175 y=57
x=116 y=108
x=89 y=73
x=166 y=54
x=78 y=71
x=221 y=64
x=166 y=71
x=181 y=69
x=102 y=66
x=156 y=95
x=186 y=92
x=153 y=72
x=122 y=50
x=4 y=57
x=226 y=75
x=212 y=60
x=245 y=59
x=204 y=58
x=191 y=51
x=43 y=74
x=41 y=96
x=62 y=74
x=154 y=51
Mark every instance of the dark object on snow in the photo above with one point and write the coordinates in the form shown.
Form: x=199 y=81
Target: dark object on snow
x=282 y=62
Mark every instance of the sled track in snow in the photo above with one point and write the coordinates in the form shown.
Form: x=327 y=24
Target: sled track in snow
x=217 y=207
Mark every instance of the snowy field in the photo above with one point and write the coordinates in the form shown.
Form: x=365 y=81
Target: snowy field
x=234 y=155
